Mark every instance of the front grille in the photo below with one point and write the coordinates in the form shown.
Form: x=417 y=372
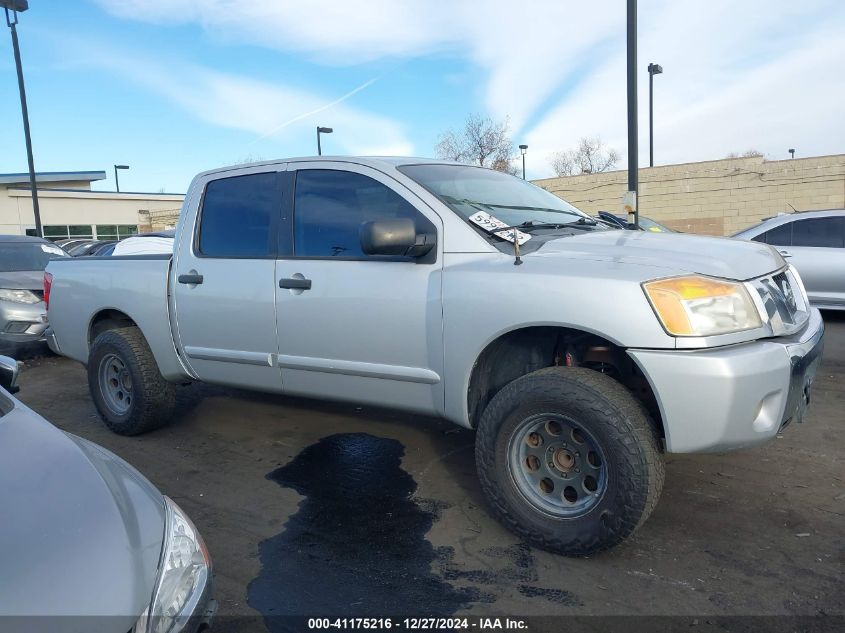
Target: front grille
x=783 y=300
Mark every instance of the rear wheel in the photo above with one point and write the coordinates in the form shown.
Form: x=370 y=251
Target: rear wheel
x=128 y=390
x=569 y=459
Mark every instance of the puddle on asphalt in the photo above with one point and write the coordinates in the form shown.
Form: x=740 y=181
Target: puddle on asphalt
x=356 y=545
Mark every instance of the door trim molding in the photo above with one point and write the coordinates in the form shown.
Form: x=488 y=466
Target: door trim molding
x=229 y=355
x=355 y=368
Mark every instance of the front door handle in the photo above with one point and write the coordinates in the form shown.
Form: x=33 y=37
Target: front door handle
x=786 y=254
x=295 y=283
x=190 y=279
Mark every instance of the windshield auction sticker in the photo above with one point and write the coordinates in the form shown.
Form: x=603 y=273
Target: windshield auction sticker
x=490 y=224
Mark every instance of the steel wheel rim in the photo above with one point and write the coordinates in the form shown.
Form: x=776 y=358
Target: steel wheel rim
x=115 y=383
x=557 y=465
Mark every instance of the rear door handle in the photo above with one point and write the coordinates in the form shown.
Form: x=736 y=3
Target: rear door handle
x=295 y=283
x=190 y=279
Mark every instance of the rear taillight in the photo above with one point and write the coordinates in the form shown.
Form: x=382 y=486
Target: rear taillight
x=48 y=283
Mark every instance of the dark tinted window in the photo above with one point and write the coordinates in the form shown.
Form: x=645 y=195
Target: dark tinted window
x=330 y=206
x=778 y=236
x=824 y=232
x=239 y=216
x=27 y=255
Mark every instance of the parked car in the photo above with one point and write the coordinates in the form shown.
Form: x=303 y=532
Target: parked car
x=23 y=317
x=146 y=244
x=84 y=248
x=578 y=353
x=102 y=249
x=86 y=542
x=70 y=243
x=646 y=224
x=814 y=242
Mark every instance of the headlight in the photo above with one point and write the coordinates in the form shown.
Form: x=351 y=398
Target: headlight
x=702 y=306
x=183 y=574
x=18 y=296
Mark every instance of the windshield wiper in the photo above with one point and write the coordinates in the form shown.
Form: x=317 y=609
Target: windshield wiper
x=478 y=203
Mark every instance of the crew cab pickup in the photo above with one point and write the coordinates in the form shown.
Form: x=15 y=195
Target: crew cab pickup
x=580 y=353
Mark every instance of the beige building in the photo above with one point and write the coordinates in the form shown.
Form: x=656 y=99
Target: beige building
x=718 y=197
x=70 y=209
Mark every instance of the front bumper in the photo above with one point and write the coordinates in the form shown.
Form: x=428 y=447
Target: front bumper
x=733 y=397
x=22 y=322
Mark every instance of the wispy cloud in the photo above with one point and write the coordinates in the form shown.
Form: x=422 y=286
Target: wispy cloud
x=322 y=108
x=265 y=109
x=524 y=50
x=766 y=78
x=761 y=73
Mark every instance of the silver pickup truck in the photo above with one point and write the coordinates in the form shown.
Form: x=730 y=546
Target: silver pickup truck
x=579 y=353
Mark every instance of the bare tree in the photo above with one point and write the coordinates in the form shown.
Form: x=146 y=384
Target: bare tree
x=590 y=157
x=749 y=153
x=482 y=141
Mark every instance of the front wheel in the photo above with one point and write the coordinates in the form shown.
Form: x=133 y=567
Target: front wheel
x=129 y=392
x=569 y=460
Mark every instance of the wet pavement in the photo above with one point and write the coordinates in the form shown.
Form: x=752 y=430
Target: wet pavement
x=313 y=508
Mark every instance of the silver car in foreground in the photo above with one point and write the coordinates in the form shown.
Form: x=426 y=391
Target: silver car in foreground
x=813 y=242
x=23 y=317
x=86 y=542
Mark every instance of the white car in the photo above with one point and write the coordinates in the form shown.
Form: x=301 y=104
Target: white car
x=146 y=244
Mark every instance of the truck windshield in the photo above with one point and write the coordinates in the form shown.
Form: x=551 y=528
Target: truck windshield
x=516 y=202
x=15 y=256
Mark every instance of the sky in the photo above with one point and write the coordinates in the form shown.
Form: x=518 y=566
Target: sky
x=173 y=87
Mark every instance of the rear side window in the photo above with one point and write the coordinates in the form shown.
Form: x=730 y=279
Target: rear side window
x=778 y=236
x=331 y=205
x=239 y=216
x=821 y=232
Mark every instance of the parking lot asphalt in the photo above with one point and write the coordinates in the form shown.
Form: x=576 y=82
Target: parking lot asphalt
x=315 y=508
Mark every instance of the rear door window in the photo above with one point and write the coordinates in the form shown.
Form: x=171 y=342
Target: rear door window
x=240 y=216
x=819 y=232
x=778 y=236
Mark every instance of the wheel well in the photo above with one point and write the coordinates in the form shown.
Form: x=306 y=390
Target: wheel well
x=107 y=320
x=523 y=351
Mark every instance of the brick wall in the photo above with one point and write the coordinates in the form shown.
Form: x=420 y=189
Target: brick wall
x=157 y=220
x=718 y=197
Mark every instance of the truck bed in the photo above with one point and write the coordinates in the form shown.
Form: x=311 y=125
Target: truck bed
x=130 y=289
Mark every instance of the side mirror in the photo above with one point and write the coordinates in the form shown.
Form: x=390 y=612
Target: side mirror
x=9 y=374
x=396 y=236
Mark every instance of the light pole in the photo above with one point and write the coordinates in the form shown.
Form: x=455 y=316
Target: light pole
x=792 y=152
x=322 y=130
x=116 y=181
x=630 y=200
x=523 y=148
x=12 y=8
x=653 y=69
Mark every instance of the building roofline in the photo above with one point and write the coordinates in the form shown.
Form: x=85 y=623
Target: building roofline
x=53 y=176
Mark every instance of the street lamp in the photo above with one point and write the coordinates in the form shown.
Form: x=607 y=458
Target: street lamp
x=12 y=8
x=116 y=181
x=653 y=69
x=522 y=148
x=792 y=152
x=322 y=130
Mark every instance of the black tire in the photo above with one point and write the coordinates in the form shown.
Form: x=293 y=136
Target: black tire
x=620 y=426
x=153 y=398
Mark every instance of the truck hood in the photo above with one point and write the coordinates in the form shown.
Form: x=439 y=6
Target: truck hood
x=675 y=253
x=82 y=530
